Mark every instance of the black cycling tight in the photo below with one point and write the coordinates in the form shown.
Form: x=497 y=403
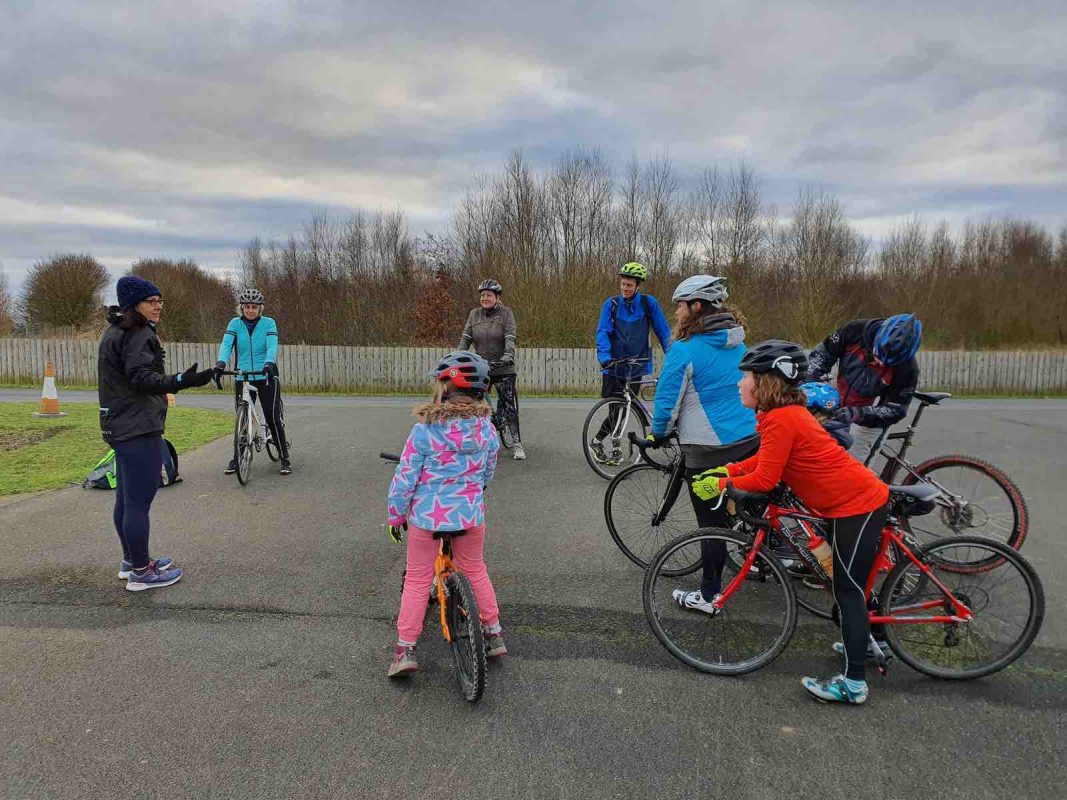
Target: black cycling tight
x=855 y=543
x=507 y=400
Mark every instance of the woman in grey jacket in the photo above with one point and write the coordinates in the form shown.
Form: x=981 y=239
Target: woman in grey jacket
x=491 y=329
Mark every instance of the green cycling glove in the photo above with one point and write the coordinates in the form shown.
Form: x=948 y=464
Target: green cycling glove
x=708 y=484
x=396 y=532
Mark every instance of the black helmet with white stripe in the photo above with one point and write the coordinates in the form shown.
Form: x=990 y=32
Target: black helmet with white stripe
x=785 y=359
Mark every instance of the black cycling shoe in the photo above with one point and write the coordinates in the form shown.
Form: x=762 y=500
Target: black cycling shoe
x=286 y=467
x=231 y=467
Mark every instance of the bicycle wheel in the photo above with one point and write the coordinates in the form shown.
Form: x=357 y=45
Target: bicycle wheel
x=468 y=644
x=977 y=499
x=634 y=500
x=605 y=436
x=242 y=442
x=503 y=427
x=1007 y=601
x=754 y=625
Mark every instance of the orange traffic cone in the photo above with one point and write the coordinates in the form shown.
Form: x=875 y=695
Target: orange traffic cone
x=49 y=395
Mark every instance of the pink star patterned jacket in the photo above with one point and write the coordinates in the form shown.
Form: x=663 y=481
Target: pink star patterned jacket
x=438 y=482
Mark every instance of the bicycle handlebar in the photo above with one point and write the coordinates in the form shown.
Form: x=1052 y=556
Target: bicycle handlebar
x=389 y=457
x=645 y=444
x=740 y=497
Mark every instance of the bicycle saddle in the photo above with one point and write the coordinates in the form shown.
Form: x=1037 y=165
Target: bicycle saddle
x=918 y=491
x=933 y=398
x=449 y=534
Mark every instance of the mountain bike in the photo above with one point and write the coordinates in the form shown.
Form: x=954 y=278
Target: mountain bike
x=647 y=505
x=460 y=623
x=975 y=496
x=250 y=431
x=605 y=441
x=936 y=619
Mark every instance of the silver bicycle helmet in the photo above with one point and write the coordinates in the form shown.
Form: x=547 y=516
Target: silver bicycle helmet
x=708 y=288
x=250 y=296
x=490 y=285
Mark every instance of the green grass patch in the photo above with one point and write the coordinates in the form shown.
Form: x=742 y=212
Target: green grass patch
x=38 y=454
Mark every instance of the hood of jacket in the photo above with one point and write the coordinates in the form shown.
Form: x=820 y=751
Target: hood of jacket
x=457 y=434
x=723 y=330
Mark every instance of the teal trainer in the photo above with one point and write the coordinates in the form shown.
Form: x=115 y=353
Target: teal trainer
x=837 y=689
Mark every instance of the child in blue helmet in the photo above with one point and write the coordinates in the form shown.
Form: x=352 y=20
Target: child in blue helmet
x=823 y=401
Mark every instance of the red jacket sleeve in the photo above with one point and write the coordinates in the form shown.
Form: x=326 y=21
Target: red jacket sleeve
x=763 y=471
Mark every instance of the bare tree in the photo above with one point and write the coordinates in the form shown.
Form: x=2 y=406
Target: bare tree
x=7 y=321
x=199 y=304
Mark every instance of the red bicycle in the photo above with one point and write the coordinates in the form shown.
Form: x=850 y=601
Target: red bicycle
x=937 y=619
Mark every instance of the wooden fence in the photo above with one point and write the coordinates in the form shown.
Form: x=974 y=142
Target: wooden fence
x=546 y=370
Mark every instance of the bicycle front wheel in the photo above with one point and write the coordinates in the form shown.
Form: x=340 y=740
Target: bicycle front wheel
x=605 y=436
x=977 y=499
x=636 y=500
x=468 y=643
x=242 y=442
x=507 y=436
x=1007 y=603
x=753 y=626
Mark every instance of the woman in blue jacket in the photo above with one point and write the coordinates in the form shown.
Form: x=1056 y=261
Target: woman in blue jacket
x=255 y=340
x=697 y=396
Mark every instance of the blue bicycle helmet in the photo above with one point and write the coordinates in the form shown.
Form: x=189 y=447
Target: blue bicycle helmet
x=898 y=339
x=821 y=396
x=465 y=369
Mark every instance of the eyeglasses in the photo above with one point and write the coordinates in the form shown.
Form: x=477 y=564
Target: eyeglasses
x=157 y=302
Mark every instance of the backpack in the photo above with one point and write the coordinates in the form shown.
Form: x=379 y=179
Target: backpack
x=105 y=475
x=644 y=304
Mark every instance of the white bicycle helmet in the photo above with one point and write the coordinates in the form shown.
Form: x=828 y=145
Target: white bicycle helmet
x=708 y=288
x=250 y=296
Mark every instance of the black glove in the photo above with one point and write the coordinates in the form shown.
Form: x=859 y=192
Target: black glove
x=270 y=369
x=193 y=377
x=845 y=415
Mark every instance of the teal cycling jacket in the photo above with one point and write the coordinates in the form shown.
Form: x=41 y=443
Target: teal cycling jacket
x=254 y=349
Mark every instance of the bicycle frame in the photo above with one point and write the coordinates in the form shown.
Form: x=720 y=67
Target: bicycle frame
x=895 y=461
x=891 y=537
x=442 y=568
x=259 y=422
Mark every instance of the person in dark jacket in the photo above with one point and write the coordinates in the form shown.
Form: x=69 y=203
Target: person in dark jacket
x=622 y=333
x=132 y=387
x=876 y=374
x=491 y=329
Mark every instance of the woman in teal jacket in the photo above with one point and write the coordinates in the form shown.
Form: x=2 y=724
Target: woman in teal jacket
x=254 y=337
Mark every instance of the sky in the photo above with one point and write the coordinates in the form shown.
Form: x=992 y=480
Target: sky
x=182 y=130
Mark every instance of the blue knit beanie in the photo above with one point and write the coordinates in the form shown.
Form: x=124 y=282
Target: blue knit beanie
x=132 y=290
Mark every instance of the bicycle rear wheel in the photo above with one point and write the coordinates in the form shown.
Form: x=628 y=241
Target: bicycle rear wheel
x=1007 y=601
x=242 y=442
x=754 y=625
x=605 y=436
x=977 y=499
x=468 y=643
x=634 y=500
x=503 y=427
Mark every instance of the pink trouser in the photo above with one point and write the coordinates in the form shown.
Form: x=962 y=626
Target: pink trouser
x=468 y=555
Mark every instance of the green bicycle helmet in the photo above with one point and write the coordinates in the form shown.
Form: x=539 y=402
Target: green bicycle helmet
x=634 y=270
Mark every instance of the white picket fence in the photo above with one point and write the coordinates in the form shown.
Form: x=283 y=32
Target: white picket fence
x=542 y=370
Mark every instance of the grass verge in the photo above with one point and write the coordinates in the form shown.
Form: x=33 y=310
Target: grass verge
x=37 y=454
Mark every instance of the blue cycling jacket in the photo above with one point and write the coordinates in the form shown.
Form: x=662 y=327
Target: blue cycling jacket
x=255 y=348
x=627 y=335
x=697 y=393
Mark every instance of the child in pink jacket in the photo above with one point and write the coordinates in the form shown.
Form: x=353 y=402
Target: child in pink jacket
x=448 y=459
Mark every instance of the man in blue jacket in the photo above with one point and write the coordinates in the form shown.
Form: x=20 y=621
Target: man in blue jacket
x=626 y=321
x=255 y=340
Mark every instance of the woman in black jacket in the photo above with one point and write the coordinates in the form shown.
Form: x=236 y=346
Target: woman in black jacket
x=133 y=409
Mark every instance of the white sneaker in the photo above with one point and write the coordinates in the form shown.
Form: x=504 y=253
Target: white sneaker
x=694 y=601
x=519 y=454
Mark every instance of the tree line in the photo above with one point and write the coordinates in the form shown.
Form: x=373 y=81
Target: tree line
x=555 y=240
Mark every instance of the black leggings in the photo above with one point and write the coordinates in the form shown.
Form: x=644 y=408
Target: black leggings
x=270 y=399
x=507 y=400
x=855 y=543
x=138 y=461
x=713 y=553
